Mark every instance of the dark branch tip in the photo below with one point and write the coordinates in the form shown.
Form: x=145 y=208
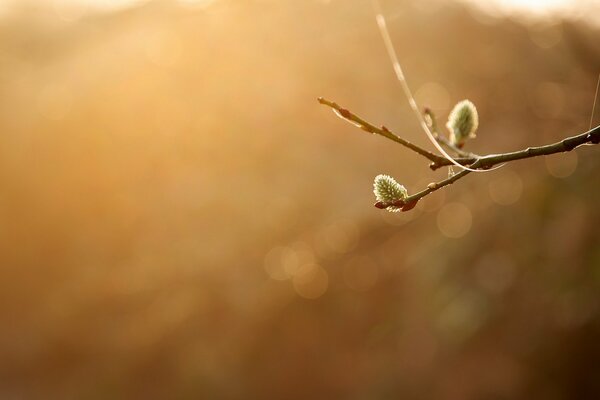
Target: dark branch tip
x=381 y=205
x=409 y=206
x=345 y=113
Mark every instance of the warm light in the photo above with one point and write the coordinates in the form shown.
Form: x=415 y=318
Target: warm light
x=74 y=9
x=535 y=5
x=96 y=4
x=553 y=9
x=454 y=220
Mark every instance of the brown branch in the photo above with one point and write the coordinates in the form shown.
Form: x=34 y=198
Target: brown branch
x=383 y=131
x=476 y=162
x=590 y=137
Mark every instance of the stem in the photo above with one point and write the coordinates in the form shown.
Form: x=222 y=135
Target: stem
x=383 y=131
x=590 y=137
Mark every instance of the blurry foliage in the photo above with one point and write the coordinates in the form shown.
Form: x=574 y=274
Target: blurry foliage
x=180 y=219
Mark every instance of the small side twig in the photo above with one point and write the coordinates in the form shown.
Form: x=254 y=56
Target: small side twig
x=432 y=123
x=383 y=131
x=411 y=201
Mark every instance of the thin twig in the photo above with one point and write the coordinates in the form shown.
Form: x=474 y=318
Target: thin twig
x=590 y=137
x=383 y=131
x=411 y=201
x=436 y=161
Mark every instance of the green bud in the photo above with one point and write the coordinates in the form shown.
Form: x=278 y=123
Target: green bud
x=387 y=190
x=462 y=122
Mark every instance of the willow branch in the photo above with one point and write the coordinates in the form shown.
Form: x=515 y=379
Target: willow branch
x=383 y=131
x=473 y=161
x=590 y=137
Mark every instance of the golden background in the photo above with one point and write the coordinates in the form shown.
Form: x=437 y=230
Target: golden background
x=180 y=219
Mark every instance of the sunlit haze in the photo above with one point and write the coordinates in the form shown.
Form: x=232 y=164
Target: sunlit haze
x=588 y=10
x=181 y=219
x=585 y=10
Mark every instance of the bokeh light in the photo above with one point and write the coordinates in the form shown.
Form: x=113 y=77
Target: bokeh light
x=562 y=167
x=506 y=187
x=454 y=220
x=311 y=282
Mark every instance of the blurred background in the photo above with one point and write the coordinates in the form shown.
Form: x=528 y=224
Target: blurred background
x=180 y=219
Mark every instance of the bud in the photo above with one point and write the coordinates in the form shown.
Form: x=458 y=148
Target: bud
x=387 y=191
x=462 y=122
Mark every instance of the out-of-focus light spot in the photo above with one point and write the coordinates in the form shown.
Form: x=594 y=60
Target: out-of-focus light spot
x=54 y=102
x=285 y=262
x=163 y=48
x=360 y=273
x=495 y=272
x=561 y=165
x=432 y=202
x=279 y=262
x=433 y=95
x=290 y=261
x=304 y=253
x=454 y=220
x=548 y=100
x=311 y=282
x=545 y=36
x=507 y=188
x=337 y=238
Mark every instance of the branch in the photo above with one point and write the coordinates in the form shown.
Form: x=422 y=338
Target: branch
x=590 y=137
x=383 y=131
x=474 y=162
